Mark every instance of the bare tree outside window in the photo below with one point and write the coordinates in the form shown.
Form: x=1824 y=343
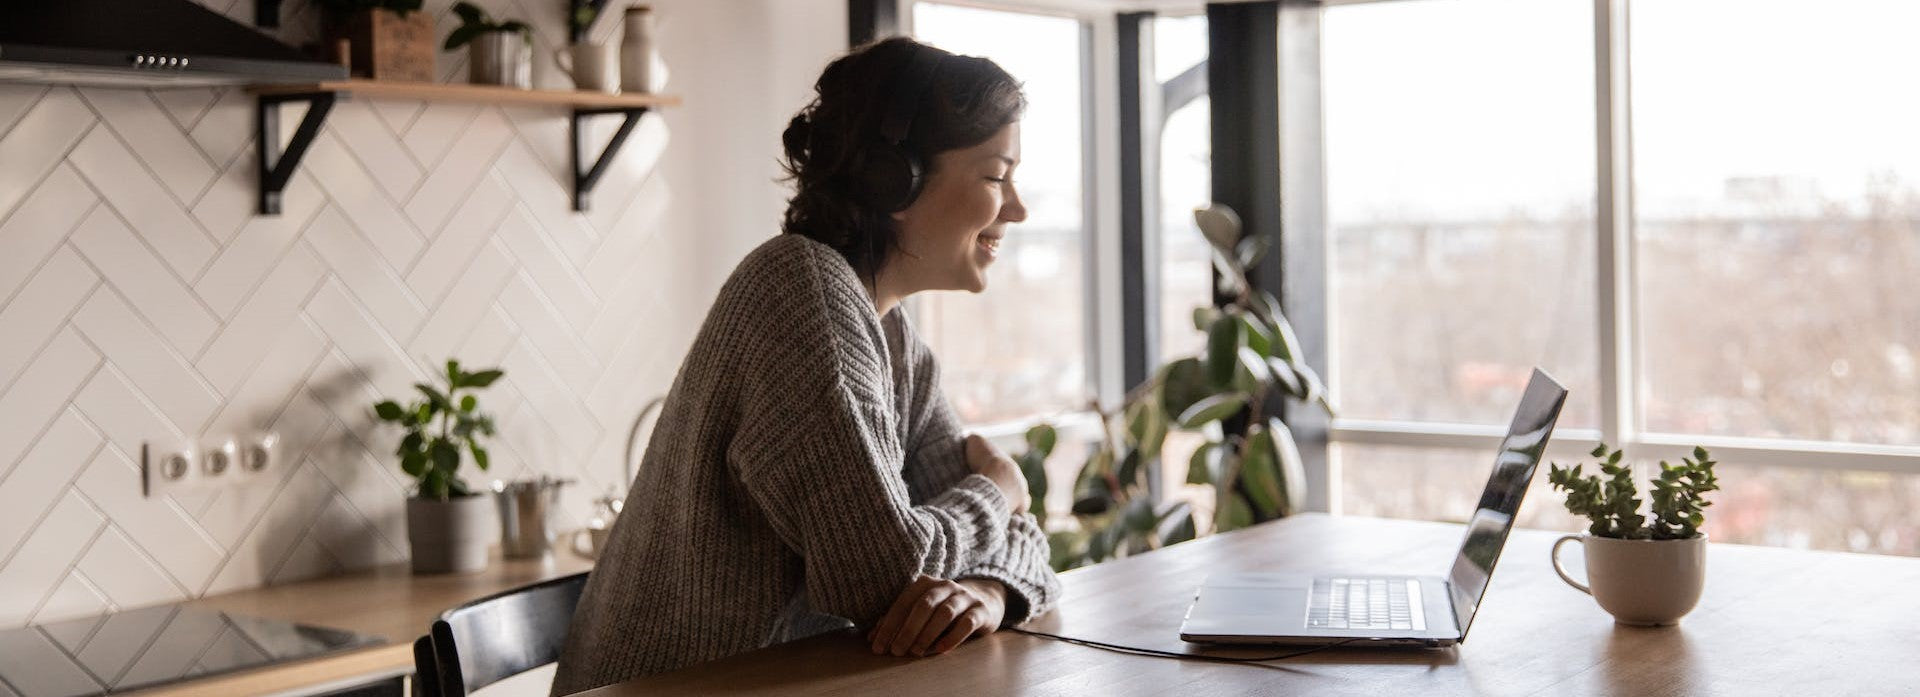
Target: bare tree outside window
x=1776 y=240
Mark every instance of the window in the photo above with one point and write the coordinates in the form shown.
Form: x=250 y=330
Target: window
x=1777 y=220
x=1019 y=350
x=1460 y=190
x=1185 y=182
x=1770 y=310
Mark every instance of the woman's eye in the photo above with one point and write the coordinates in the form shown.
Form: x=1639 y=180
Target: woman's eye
x=999 y=180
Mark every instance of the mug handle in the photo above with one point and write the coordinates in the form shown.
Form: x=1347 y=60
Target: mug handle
x=1562 y=570
x=574 y=544
x=564 y=60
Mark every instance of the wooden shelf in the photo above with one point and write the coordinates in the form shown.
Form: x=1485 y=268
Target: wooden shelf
x=488 y=94
x=277 y=165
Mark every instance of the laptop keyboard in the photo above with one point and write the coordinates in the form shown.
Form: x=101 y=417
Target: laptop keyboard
x=1366 y=603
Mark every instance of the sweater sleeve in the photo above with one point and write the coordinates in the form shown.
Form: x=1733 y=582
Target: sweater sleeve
x=937 y=461
x=817 y=450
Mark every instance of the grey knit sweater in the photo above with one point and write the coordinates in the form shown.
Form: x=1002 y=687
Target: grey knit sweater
x=804 y=470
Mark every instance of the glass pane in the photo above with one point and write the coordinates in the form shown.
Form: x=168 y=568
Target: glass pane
x=1179 y=43
x=1842 y=510
x=1186 y=268
x=1436 y=484
x=1778 y=219
x=1460 y=185
x=1019 y=349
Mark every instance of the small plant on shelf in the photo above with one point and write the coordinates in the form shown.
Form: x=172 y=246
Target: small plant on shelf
x=581 y=17
x=1610 y=500
x=475 y=21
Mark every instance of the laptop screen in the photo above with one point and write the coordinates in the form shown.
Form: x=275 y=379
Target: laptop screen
x=1512 y=470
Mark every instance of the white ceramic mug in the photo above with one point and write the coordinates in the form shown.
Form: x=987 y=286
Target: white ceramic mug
x=594 y=67
x=596 y=536
x=1644 y=583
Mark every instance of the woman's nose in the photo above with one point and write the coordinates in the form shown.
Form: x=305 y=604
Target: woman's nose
x=1013 y=210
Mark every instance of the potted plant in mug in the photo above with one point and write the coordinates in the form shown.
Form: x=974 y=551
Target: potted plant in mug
x=448 y=524
x=498 y=53
x=386 y=39
x=1645 y=571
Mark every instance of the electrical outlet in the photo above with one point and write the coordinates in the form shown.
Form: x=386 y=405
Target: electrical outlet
x=168 y=469
x=231 y=461
x=219 y=461
x=257 y=458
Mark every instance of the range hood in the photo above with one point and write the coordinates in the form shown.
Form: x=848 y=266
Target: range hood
x=151 y=44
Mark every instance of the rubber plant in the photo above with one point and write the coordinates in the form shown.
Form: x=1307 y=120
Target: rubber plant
x=441 y=426
x=1612 y=504
x=1255 y=471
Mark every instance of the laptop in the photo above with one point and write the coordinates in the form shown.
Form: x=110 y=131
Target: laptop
x=1325 y=608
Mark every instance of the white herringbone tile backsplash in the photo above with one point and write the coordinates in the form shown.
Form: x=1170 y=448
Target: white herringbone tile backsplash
x=141 y=300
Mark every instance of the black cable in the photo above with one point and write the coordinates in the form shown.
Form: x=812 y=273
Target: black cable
x=1157 y=653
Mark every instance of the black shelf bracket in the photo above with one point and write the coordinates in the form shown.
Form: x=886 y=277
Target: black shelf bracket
x=266 y=14
x=585 y=178
x=276 y=167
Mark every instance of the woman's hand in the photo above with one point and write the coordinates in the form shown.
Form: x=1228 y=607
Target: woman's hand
x=933 y=615
x=989 y=461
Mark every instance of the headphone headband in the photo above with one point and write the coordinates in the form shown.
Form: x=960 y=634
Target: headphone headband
x=908 y=90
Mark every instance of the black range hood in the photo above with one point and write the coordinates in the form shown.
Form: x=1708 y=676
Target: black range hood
x=149 y=44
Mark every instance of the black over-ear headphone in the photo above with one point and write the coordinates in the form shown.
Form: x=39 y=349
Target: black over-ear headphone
x=895 y=174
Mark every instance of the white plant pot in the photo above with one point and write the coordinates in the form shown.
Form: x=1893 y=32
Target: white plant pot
x=450 y=536
x=1644 y=583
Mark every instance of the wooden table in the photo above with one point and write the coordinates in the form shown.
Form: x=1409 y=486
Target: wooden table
x=1772 y=621
x=387 y=601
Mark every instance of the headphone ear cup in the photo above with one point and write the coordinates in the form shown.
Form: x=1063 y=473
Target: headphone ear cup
x=916 y=179
x=891 y=180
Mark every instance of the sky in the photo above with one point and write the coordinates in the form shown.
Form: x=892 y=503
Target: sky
x=1485 y=108
x=1469 y=108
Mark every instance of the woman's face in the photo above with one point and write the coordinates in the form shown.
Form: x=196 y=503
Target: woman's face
x=952 y=232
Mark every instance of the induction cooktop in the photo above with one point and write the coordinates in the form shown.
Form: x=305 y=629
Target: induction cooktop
x=123 y=651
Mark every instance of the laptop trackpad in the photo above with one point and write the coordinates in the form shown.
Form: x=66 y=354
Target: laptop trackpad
x=1250 y=604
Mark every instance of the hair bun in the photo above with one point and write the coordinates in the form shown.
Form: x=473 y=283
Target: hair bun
x=798 y=138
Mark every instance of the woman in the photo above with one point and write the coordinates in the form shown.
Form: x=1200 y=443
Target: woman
x=806 y=472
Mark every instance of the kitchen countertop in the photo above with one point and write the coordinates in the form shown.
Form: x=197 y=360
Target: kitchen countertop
x=387 y=601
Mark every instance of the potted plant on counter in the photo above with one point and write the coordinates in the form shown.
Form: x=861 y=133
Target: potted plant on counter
x=386 y=39
x=448 y=525
x=1645 y=571
x=498 y=53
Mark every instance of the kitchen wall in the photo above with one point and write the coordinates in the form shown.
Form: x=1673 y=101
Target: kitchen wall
x=142 y=301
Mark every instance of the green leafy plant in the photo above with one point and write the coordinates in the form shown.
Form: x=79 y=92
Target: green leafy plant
x=475 y=21
x=1248 y=457
x=340 y=8
x=581 y=17
x=440 y=425
x=1613 y=504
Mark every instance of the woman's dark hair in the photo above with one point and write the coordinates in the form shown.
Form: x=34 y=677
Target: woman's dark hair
x=835 y=142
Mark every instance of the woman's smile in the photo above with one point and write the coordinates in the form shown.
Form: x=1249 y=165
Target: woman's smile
x=989 y=244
